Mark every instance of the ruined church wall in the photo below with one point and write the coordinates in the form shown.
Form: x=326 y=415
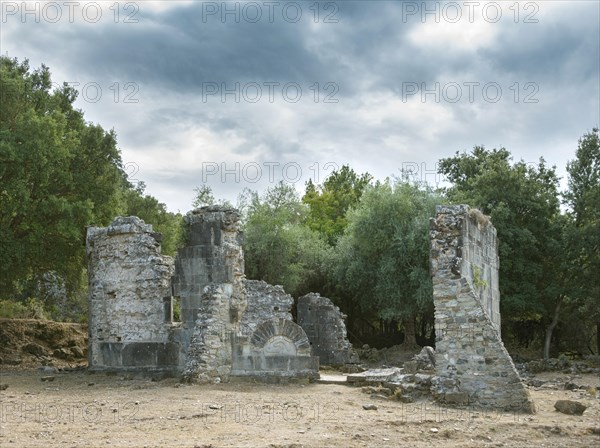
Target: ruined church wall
x=133 y=288
x=209 y=282
x=129 y=297
x=264 y=302
x=212 y=254
x=472 y=365
x=324 y=325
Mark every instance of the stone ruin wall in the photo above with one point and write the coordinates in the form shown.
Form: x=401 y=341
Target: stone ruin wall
x=209 y=283
x=325 y=327
x=264 y=302
x=129 y=298
x=212 y=254
x=224 y=317
x=472 y=365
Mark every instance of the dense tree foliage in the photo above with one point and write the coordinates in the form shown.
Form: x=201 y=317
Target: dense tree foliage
x=58 y=174
x=279 y=248
x=383 y=257
x=583 y=197
x=330 y=202
x=523 y=202
x=152 y=211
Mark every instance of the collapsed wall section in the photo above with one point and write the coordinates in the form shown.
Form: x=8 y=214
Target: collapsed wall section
x=264 y=302
x=324 y=325
x=129 y=298
x=472 y=365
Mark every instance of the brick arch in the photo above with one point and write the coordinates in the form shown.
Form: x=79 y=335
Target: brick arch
x=281 y=337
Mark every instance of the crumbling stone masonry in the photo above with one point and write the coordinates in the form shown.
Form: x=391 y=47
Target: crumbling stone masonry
x=223 y=314
x=133 y=288
x=209 y=275
x=129 y=298
x=472 y=365
x=229 y=326
x=326 y=330
x=264 y=302
x=212 y=254
x=271 y=345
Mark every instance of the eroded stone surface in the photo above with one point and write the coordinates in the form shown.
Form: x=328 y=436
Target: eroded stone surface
x=212 y=254
x=324 y=324
x=210 y=352
x=264 y=302
x=210 y=283
x=129 y=297
x=471 y=360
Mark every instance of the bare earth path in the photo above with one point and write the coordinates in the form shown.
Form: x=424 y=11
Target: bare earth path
x=78 y=409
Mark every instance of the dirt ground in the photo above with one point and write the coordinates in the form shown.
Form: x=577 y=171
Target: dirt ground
x=78 y=409
x=97 y=410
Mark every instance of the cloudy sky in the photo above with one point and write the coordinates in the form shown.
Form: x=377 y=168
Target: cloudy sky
x=245 y=94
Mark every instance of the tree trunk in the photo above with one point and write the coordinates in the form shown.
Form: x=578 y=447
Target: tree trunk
x=550 y=329
x=410 y=336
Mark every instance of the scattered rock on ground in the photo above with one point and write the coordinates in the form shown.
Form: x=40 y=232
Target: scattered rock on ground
x=34 y=349
x=425 y=359
x=62 y=353
x=570 y=407
x=77 y=352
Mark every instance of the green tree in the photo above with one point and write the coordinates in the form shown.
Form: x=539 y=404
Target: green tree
x=329 y=202
x=148 y=208
x=58 y=174
x=204 y=196
x=522 y=200
x=383 y=257
x=583 y=197
x=279 y=248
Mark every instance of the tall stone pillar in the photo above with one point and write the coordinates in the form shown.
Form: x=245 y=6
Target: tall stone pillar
x=209 y=273
x=472 y=365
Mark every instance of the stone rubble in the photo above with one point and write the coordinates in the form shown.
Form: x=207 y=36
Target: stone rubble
x=570 y=407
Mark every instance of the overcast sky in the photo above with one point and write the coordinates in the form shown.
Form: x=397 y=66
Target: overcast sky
x=245 y=94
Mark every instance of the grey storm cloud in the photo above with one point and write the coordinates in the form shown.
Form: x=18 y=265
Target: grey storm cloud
x=371 y=54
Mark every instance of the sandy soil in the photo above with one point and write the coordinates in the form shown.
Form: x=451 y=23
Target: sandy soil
x=97 y=410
